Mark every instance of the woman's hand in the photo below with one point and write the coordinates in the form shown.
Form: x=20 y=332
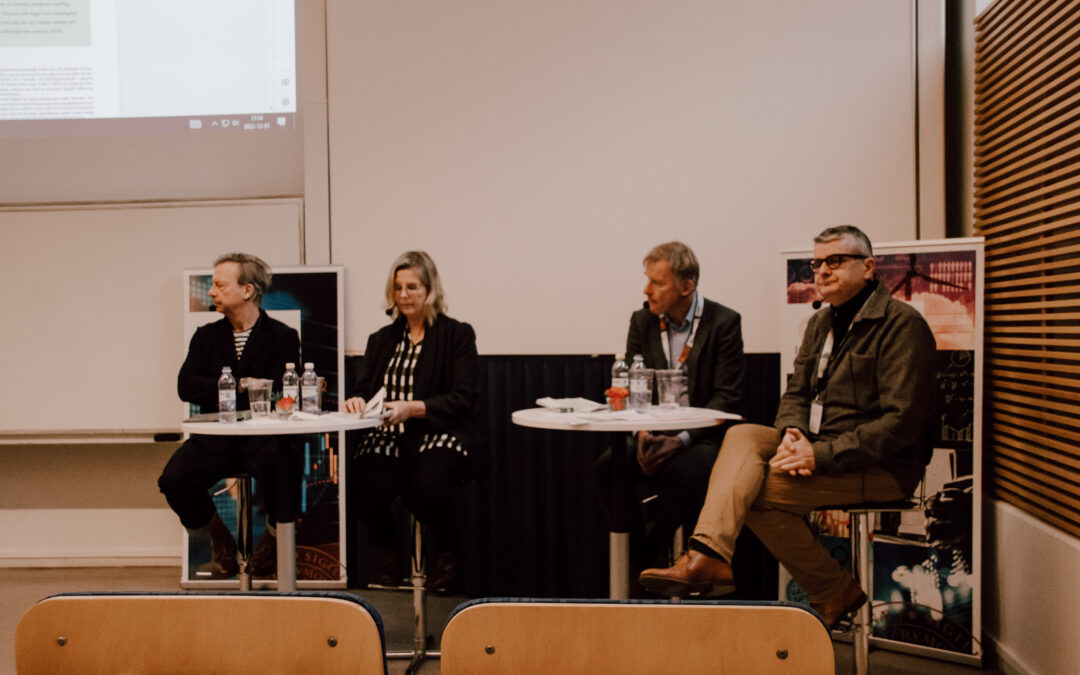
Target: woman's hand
x=354 y=405
x=396 y=412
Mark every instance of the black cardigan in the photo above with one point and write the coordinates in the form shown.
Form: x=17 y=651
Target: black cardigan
x=270 y=346
x=446 y=379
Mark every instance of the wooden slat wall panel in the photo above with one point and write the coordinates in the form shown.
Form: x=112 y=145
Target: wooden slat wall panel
x=1027 y=207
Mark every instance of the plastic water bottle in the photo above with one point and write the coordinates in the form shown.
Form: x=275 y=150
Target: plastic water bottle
x=309 y=389
x=620 y=374
x=226 y=396
x=640 y=387
x=290 y=383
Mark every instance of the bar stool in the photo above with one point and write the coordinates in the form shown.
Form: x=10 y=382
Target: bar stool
x=862 y=567
x=417 y=581
x=244 y=510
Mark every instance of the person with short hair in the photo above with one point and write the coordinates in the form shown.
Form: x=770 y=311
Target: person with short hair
x=432 y=436
x=254 y=345
x=854 y=425
x=677 y=328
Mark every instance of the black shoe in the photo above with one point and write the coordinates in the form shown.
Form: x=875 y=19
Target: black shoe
x=222 y=550
x=442 y=578
x=264 y=560
x=387 y=565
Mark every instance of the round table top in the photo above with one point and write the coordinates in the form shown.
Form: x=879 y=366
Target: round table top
x=654 y=418
x=297 y=423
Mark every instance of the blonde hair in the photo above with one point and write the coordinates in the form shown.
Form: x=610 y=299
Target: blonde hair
x=421 y=263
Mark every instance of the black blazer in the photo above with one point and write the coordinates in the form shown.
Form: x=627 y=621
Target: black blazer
x=446 y=379
x=270 y=346
x=715 y=367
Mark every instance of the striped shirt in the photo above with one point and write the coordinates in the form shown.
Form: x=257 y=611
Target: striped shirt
x=398 y=380
x=240 y=341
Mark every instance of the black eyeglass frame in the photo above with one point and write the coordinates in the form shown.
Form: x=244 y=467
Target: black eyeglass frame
x=834 y=261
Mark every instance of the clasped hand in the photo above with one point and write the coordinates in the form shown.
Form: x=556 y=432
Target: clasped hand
x=653 y=452
x=795 y=454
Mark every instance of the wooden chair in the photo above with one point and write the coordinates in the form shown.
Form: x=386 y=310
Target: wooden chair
x=200 y=633
x=597 y=637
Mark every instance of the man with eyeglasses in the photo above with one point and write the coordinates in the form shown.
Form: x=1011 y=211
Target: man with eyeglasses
x=852 y=427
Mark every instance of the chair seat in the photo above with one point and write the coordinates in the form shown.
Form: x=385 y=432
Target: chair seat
x=869 y=507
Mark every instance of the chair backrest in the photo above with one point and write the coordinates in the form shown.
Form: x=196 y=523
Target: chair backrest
x=596 y=637
x=200 y=633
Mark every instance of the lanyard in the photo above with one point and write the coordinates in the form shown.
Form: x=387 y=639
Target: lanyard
x=823 y=363
x=665 y=342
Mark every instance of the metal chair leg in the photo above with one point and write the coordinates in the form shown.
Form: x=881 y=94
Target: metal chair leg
x=860 y=565
x=244 y=530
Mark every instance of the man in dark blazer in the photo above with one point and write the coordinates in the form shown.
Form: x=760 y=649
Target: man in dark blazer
x=255 y=346
x=677 y=328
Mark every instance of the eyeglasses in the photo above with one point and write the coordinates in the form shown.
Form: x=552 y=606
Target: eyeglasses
x=834 y=261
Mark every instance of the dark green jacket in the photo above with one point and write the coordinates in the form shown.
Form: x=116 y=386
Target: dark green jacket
x=879 y=401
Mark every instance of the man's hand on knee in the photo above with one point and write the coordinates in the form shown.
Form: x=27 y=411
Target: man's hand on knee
x=656 y=451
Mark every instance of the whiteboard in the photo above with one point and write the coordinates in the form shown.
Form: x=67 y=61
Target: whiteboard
x=538 y=150
x=92 y=337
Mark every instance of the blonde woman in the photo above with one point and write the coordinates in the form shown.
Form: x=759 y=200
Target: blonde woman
x=432 y=435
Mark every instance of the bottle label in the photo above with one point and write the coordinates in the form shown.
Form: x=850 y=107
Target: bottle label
x=639 y=385
x=226 y=395
x=292 y=392
x=623 y=382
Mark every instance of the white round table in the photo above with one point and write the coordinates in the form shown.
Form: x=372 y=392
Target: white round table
x=617 y=422
x=298 y=423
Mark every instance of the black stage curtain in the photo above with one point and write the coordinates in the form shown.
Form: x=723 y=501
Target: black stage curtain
x=532 y=527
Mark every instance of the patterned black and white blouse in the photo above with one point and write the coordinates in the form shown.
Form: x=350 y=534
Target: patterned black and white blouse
x=398 y=380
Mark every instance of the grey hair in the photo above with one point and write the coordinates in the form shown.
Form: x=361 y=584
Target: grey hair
x=253 y=270
x=859 y=242
x=421 y=263
x=684 y=264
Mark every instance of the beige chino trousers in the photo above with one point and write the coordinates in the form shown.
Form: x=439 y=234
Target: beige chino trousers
x=774 y=505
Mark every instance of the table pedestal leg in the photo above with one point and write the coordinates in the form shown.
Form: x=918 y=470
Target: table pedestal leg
x=619 y=538
x=619 y=565
x=286 y=556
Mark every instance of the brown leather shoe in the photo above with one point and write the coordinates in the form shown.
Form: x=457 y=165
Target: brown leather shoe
x=833 y=609
x=693 y=573
x=222 y=550
x=387 y=565
x=443 y=577
x=263 y=562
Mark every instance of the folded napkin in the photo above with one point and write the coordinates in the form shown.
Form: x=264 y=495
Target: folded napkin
x=570 y=404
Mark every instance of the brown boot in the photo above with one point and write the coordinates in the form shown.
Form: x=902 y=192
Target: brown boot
x=387 y=565
x=222 y=550
x=833 y=609
x=694 y=573
x=264 y=559
x=442 y=578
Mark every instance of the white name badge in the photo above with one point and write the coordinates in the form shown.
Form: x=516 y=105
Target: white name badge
x=815 y=416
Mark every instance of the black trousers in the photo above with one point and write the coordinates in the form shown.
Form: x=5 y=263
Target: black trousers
x=426 y=483
x=657 y=505
x=204 y=460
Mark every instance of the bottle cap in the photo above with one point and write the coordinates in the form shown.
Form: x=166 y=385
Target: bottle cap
x=290 y=366
x=309 y=364
x=226 y=369
x=620 y=356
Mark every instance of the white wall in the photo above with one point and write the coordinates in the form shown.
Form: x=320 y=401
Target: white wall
x=538 y=150
x=1029 y=592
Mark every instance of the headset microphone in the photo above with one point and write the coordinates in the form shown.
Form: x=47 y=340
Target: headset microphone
x=390 y=311
x=816 y=304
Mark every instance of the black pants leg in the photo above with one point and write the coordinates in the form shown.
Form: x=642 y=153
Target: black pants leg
x=426 y=487
x=204 y=460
